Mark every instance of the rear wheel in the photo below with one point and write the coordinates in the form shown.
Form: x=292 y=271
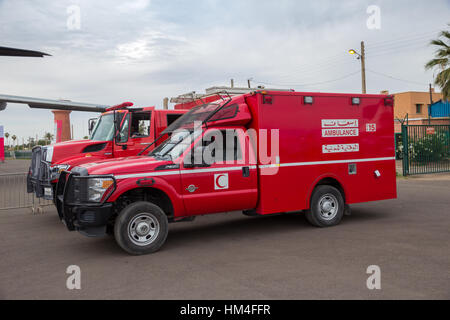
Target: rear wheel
x=141 y=228
x=327 y=207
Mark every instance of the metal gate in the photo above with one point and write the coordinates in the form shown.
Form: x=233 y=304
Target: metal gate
x=426 y=149
x=13 y=193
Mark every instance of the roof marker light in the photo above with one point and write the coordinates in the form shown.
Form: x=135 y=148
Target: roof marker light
x=356 y=101
x=308 y=100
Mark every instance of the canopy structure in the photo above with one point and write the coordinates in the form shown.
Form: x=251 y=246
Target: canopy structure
x=51 y=104
x=13 y=52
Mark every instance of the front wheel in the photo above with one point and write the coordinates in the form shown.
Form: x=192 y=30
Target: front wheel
x=327 y=207
x=141 y=228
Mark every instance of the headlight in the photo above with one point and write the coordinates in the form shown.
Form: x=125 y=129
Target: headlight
x=49 y=156
x=97 y=188
x=57 y=169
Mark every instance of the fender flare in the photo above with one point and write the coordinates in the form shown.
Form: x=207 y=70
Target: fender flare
x=124 y=186
x=320 y=178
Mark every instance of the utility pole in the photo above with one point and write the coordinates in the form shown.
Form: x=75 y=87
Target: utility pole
x=361 y=56
x=363 y=67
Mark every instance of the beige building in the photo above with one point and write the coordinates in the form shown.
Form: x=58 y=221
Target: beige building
x=414 y=104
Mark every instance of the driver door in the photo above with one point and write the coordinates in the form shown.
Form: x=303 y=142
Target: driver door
x=135 y=134
x=222 y=186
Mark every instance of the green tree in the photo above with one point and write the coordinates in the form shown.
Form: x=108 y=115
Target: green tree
x=7 y=138
x=14 y=140
x=441 y=62
x=49 y=137
x=30 y=142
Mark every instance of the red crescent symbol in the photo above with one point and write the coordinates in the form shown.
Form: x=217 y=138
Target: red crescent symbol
x=217 y=181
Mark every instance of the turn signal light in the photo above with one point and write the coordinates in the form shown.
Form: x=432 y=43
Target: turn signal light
x=106 y=184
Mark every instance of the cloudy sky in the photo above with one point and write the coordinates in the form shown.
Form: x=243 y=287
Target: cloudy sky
x=145 y=50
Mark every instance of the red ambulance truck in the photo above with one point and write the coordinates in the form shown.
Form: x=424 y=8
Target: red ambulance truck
x=121 y=131
x=312 y=153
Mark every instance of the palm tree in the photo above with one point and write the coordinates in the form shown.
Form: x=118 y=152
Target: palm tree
x=49 y=137
x=7 y=138
x=442 y=62
x=14 y=140
x=30 y=142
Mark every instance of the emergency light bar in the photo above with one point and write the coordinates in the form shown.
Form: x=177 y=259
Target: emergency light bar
x=120 y=106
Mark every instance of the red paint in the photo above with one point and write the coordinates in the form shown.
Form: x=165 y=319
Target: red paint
x=2 y=149
x=58 y=130
x=2 y=144
x=304 y=163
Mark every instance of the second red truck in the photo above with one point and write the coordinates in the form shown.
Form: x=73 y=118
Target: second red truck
x=122 y=131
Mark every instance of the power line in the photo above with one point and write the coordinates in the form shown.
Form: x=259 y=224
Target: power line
x=398 y=50
x=395 y=78
x=406 y=38
x=425 y=41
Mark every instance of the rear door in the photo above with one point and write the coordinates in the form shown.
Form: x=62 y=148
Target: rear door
x=228 y=184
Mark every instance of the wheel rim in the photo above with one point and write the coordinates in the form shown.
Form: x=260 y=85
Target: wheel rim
x=328 y=206
x=143 y=229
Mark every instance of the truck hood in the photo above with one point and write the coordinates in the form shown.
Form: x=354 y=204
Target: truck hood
x=64 y=151
x=130 y=165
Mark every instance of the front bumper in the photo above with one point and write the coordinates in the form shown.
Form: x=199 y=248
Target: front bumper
x=41 y=188
x=90 y=220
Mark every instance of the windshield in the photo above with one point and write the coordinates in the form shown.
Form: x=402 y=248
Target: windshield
x=104 y=128
x=176 y=145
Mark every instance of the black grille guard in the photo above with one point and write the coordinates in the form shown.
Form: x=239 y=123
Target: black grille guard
x=66 y=209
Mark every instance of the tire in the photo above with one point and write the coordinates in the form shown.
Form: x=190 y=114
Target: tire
x=141 y=228
x=327 y=207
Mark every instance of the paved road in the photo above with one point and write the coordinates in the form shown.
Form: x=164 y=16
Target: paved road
x=230 y=256
x=14 y=166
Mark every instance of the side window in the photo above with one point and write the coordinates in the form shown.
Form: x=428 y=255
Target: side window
x=233 y=151
x=171 y=118
x=123 y=135
x=140 y=125
x=230 y=150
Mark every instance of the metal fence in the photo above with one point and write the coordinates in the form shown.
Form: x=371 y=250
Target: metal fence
x=426 y=149
x=18 y=154
x=13 y=194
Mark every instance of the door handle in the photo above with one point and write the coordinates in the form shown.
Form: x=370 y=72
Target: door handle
x=246 y=172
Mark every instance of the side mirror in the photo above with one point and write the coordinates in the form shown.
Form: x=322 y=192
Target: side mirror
x=91 y=125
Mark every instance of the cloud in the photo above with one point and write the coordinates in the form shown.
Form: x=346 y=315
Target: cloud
x=144 y=51
x=134 y=5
